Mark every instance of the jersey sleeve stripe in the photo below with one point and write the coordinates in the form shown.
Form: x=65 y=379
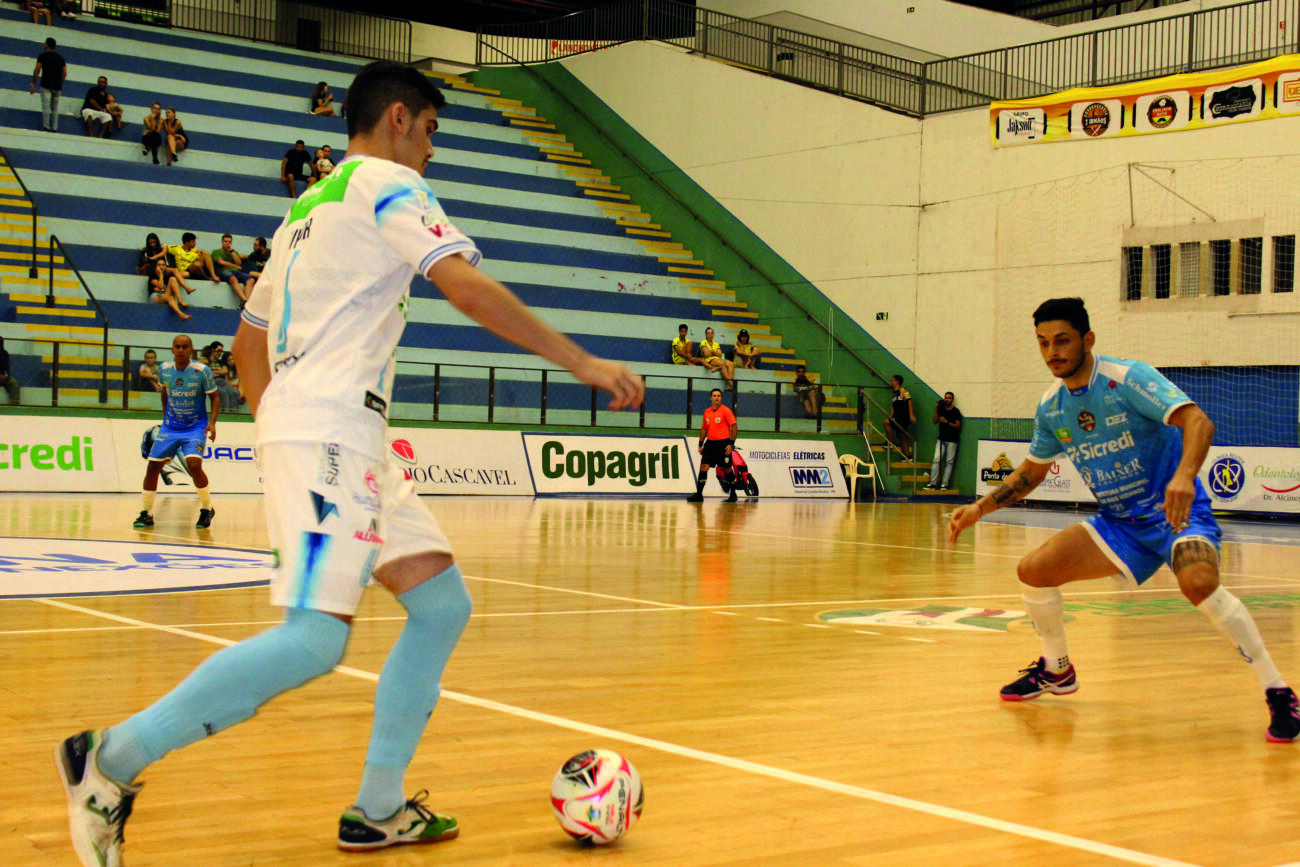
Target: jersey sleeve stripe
x=1037 y=460
x=471 y=253
x=254 y=320
x=1173 y=409
x=392 y=197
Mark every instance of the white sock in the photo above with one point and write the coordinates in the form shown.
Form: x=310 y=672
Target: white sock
x=1048 y=613
x=147 y=497
x=205 y=499
x=1233 y=619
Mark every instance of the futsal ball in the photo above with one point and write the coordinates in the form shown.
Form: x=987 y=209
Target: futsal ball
x=597 y=796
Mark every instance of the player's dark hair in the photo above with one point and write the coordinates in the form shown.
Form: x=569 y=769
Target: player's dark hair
x=189 y=236
x=1070 y=310
x=382 y=83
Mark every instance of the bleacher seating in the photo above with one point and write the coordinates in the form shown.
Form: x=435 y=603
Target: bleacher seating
x=555 y=230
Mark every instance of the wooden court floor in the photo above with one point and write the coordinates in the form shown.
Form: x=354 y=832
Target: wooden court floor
x=757 y=662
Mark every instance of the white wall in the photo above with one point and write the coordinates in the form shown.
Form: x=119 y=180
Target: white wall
x=956 y=240
x=443 y=43
x=943 y=28
x=831 y=184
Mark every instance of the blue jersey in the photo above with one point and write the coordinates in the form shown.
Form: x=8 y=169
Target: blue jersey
x=1115 y=431
x=187 y=394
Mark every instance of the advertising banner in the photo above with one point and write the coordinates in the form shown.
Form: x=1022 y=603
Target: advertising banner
x=1253 y=479
x=462 y=461
x=230 y=462
x=580 y=464
x=792 y=468
x=998 y=458
x=57 y=454
x=1260 y=91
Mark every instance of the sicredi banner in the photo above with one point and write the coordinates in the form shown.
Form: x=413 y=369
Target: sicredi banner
x=792 y=468
x=462 y=461
x=1253 y=479
x=579 y=464
x=997 y=459
x=57 y=454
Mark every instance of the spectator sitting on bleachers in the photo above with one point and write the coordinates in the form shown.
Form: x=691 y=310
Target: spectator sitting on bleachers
x=192 y=261
x=296 y=166
x=164 y=288
x=255 y=261
x=324 y=165
x=66 y=8
x=711 y=357
x=7 y=380
x=37 y=9
x=683 y=349
x=146 y=377
x=114 y=109
x=808 y=393
x=177 y=138
x=746 y=352
x=230 y=268
x=153 y=131
x=154 y=256
x=94 y=109
x=218 y=361
x=322 y=99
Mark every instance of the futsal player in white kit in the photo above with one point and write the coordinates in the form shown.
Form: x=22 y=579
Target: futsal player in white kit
x=317 y=352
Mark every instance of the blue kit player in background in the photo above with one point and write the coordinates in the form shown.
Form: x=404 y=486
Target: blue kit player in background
x=186 y=386
x=1139 y=442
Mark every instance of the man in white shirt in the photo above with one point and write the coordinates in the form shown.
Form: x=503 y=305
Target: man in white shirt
x=317 y=352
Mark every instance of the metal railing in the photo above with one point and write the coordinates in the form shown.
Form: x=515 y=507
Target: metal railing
x=1225 y=36
x=49 y=302
x=32 y=271
x=299 y=25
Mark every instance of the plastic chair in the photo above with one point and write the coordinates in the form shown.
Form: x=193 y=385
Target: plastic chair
x=856 y=468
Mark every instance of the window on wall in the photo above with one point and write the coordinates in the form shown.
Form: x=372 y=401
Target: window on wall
x=1133 y=273
x=1284 y=263
x=1161 y=272
x=1252 y=265
x=1189 y=270
x=1221 y=267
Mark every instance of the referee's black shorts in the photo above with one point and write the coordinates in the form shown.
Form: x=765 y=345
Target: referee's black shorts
x=715 y=453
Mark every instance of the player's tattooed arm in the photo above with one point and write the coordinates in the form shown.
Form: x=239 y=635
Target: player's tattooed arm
x=1192 y=552
x=1016 y=486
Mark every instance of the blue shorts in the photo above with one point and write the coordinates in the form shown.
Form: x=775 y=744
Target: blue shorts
x=1140 y=547
x=189 y=443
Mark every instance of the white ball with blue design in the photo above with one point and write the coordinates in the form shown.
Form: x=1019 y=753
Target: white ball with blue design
x=597 y=796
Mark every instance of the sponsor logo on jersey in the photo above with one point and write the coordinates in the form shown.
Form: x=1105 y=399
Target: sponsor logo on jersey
x=1162 y=111
x=322 y=507
x=1093 y=451
x=1095 y=119
x=328 y=471
x=372 y=482
x=1063 y=434
x=1113 y=420
x=370 y=534
x=1227 y=477
x=998 y=470
x=1087 y=420
x=377 y=404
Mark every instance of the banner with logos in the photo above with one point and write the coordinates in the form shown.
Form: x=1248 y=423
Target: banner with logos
x=582 y=464
x=998 y=458
x=230 y=461
x=1253 y=479
x=442 y=461
x=793 y=468
x=1260 y=91
x=39 y=453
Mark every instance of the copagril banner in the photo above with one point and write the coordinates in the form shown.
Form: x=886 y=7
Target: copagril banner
x=579 y=464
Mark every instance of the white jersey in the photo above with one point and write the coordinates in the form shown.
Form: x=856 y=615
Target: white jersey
x=333 y=300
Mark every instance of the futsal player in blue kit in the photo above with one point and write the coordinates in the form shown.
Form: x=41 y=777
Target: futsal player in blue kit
x=1139 y=442
x=187 y=385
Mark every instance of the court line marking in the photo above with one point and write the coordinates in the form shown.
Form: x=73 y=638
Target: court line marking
x=963 y=816
x=664 y=608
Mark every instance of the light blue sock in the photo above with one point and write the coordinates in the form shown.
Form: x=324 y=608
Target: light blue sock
x=408 y=689
x=226 y=689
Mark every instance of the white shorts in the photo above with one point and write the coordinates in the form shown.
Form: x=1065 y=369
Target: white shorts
x=91 y=114
x=334 y=516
